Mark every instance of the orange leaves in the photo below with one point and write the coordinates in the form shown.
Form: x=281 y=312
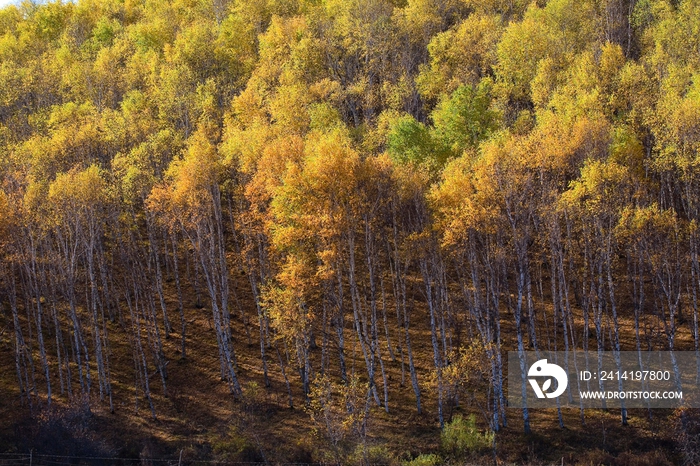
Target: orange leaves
x=286 y=304
x=276 y=158
x=454 y=201
x=296 y=274
x=315 y=195
x=513 y=178
x=328 y=191
x=186 y=196
x=560 y=146
x=323 y=197
x=332 y=164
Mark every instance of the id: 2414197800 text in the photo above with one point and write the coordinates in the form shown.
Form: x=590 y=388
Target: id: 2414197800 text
x=625 y=375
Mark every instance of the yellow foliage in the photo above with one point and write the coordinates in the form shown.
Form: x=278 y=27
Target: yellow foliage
x=78 y=189
x=6 y=215
x=462 y=55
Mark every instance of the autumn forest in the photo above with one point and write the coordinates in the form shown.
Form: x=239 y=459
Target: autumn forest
x=311 y=230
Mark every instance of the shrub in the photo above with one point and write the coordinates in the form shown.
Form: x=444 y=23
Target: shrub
x=372 y=455
x=461 y=437
x=235 y=447
x=424 y=460
x=339 y=413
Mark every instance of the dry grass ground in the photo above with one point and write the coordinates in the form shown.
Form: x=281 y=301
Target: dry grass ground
x=200 y=418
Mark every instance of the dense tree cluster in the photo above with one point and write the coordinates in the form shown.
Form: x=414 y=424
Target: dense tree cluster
x=506 y=175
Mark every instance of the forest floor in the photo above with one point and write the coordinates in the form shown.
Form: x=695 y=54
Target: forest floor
x=200 y=418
